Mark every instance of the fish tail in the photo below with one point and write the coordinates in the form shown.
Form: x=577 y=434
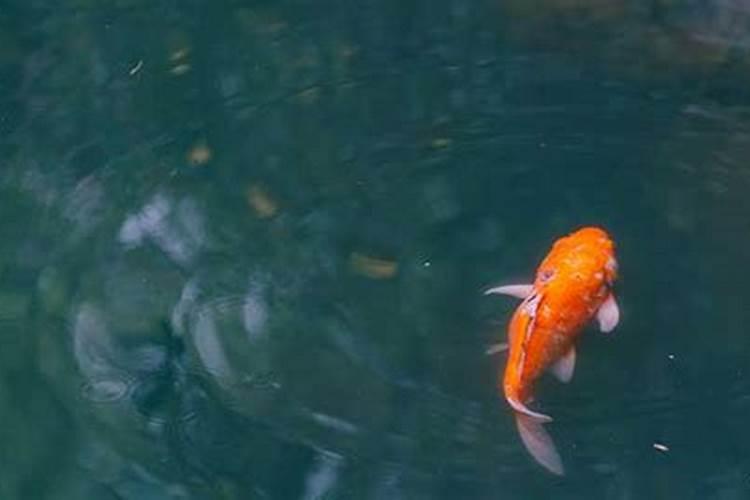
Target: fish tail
x=524 y=410
x=539 y=443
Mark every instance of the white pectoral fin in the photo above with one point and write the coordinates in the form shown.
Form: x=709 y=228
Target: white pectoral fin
x=539 y=443
x=520 y=291
x=608 y=314
x=564 y=367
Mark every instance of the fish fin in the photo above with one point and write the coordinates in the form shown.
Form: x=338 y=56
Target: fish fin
x=520 y=291
x=564 y=367
x=539 y=444
x=496 y=348
x=608 y=314
x=523 y=409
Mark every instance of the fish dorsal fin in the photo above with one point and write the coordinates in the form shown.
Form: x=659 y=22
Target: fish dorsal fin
x=564 y=367
x=608 y=314
x=526 y=313
x=520 y=291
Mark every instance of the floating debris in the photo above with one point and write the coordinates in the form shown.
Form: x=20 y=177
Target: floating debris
x=135 y=69
x=661 y=447
x=180 y=69
x=373 y=267
x=179 y=58
x=441 y=142
x=200 y=154
x=334 y=423
x=309 y=95
x=261 y=202
x=179 y=54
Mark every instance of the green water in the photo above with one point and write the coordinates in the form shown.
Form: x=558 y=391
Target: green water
x=243 y=246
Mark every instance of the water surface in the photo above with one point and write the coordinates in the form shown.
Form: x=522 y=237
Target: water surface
x=244 y=245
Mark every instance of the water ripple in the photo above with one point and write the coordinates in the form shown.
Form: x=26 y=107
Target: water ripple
x=106 y=390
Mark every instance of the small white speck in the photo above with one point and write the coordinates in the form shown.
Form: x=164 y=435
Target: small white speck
x=661 y=447
x=427 y=263
x=670 y=356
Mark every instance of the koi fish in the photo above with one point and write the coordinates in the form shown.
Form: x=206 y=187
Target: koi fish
x=573 y=285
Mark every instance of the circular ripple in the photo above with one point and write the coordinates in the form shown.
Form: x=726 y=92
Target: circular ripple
x=105 y=390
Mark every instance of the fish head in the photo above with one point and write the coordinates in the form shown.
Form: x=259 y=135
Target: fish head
x=599 y=243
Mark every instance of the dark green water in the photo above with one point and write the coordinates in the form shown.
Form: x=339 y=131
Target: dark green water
x=244 y=244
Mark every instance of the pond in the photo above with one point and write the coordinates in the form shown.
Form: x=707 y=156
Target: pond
x=245 y=246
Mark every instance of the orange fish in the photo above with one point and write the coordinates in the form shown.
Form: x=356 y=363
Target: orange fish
x=573 y=285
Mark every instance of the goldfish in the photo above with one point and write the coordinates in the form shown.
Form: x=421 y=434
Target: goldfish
x=573 y=285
